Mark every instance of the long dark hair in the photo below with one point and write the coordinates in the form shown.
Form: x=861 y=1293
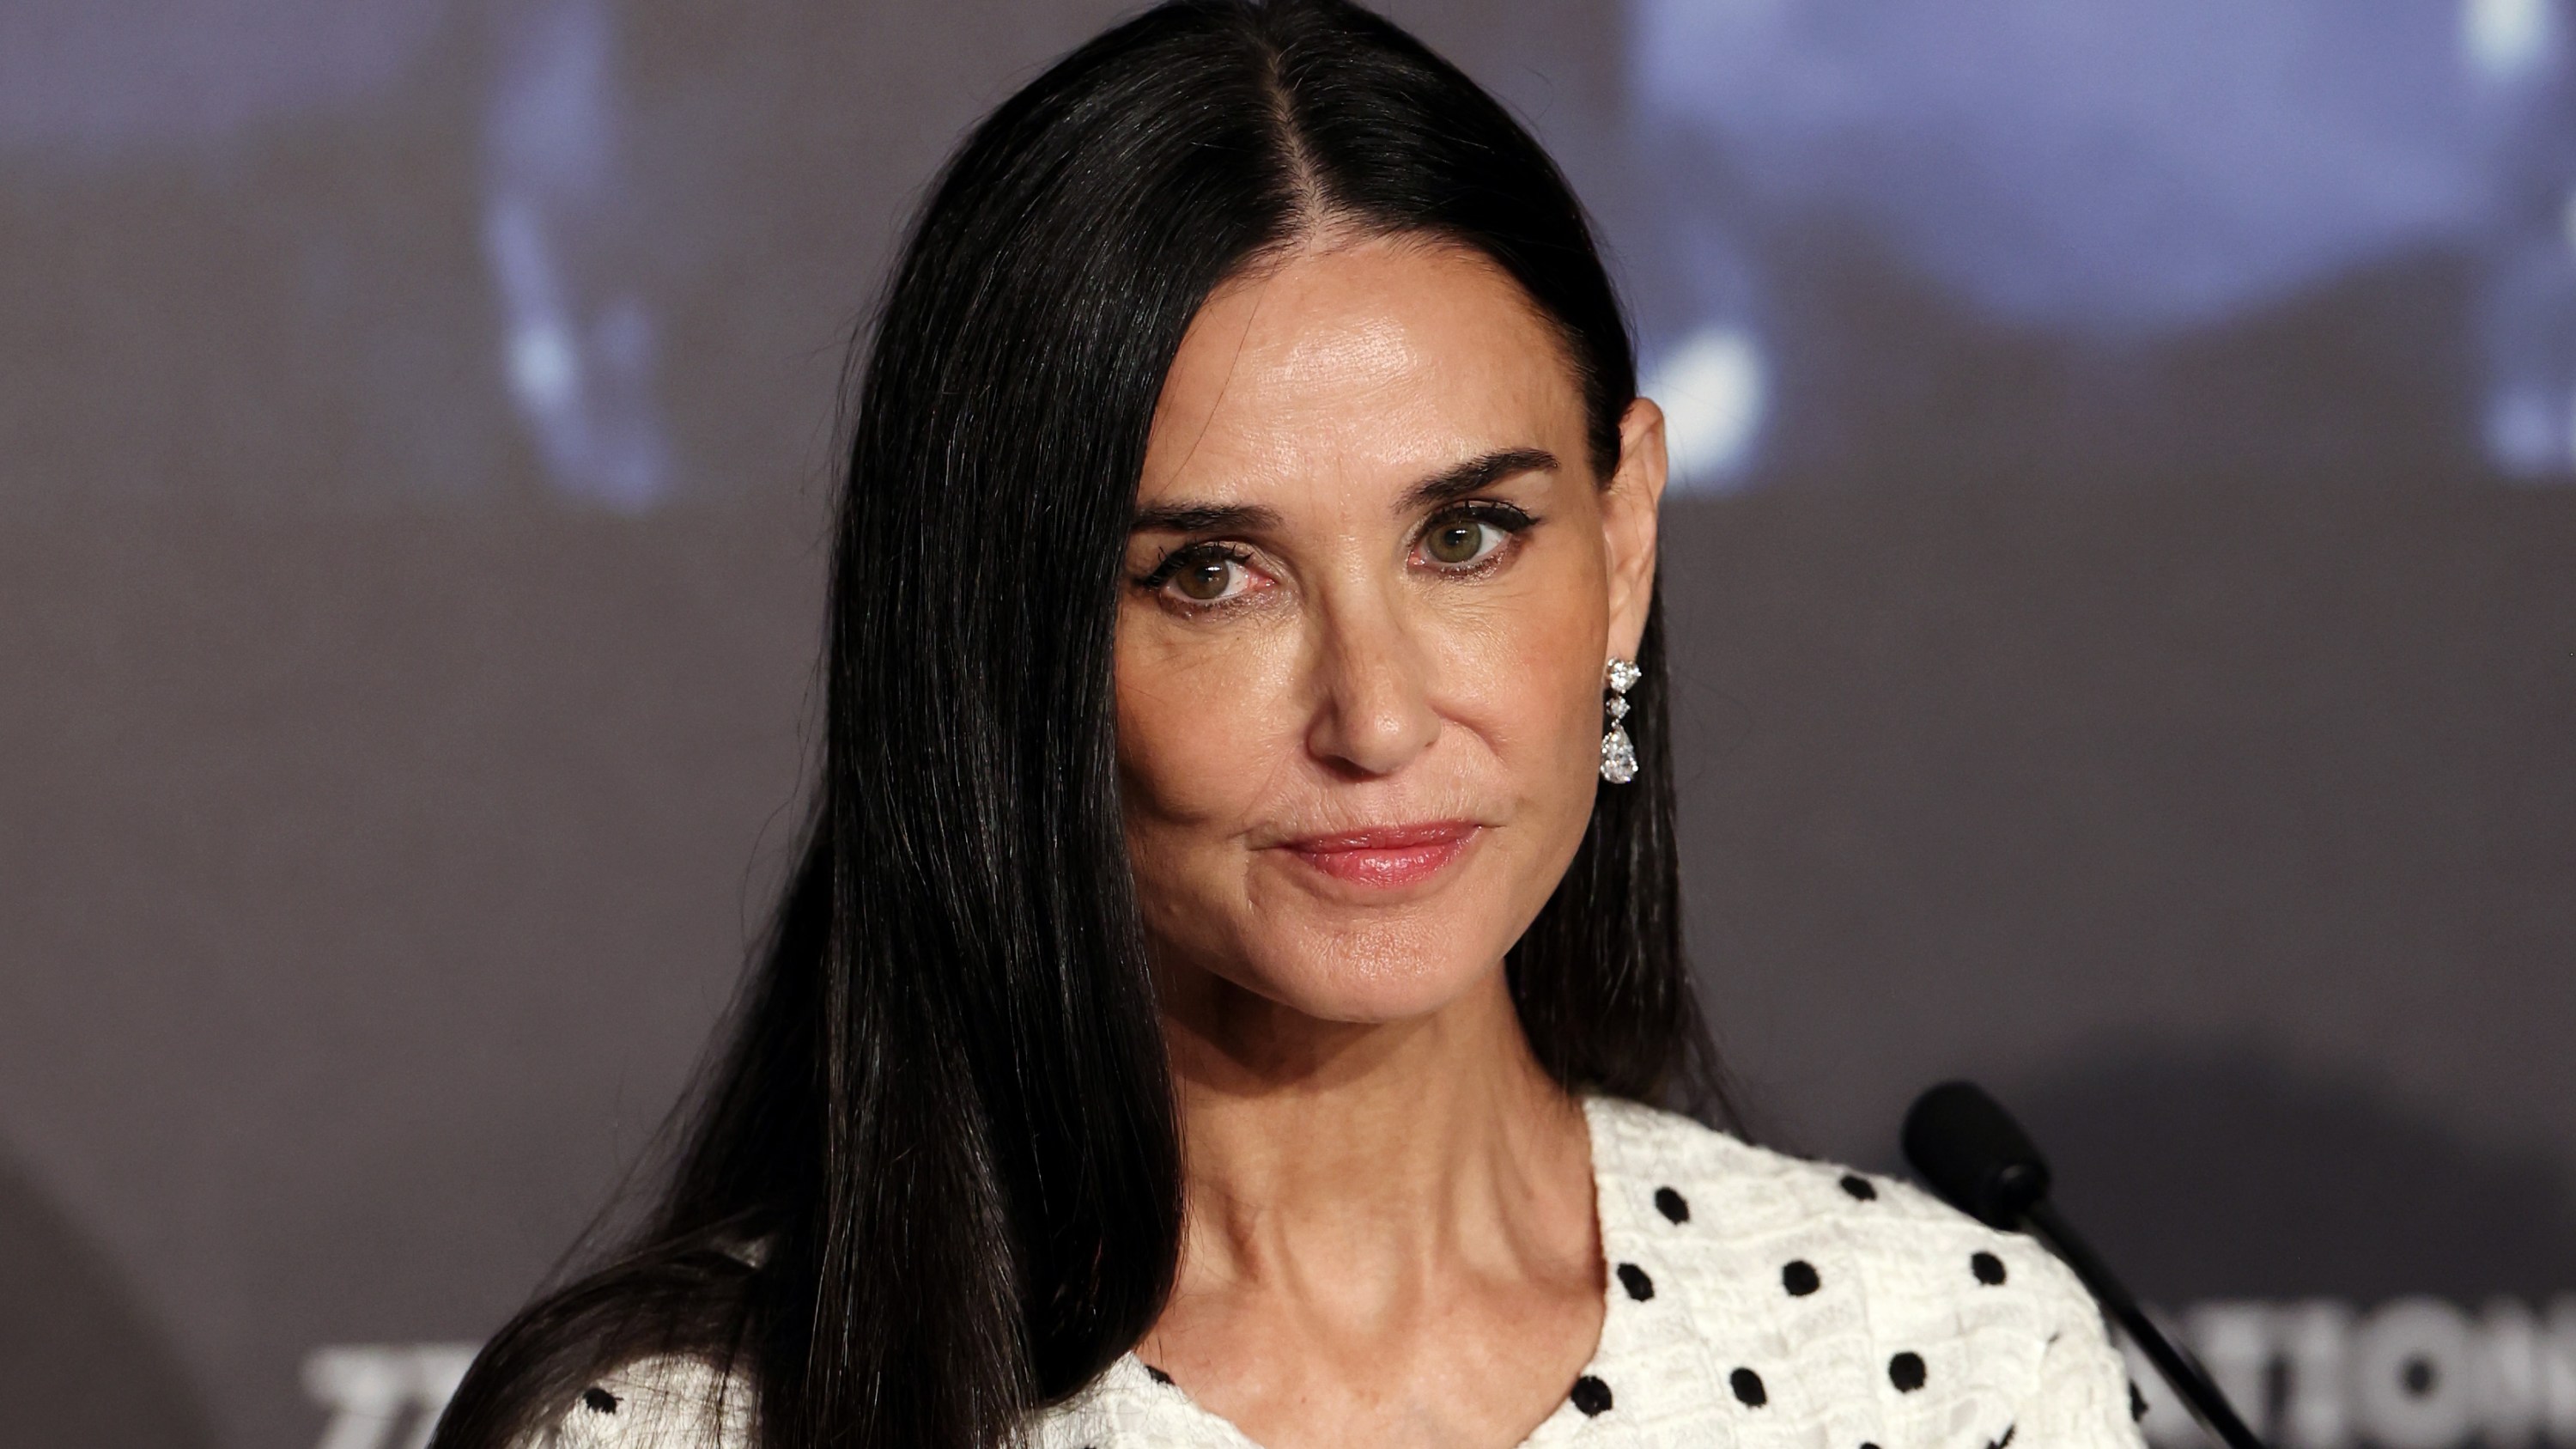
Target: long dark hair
x=934 y=1180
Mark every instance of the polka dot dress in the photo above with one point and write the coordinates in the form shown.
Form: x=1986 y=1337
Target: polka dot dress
x=1752 y=1300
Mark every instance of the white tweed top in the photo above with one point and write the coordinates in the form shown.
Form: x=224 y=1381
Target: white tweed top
x=1753 y=1299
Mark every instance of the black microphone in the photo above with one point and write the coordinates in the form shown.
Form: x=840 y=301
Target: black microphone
x=1971 y=1152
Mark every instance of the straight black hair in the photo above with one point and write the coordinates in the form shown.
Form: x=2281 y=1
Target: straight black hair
x=934 y=1180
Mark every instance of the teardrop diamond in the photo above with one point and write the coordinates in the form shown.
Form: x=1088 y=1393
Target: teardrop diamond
x=1618 y=757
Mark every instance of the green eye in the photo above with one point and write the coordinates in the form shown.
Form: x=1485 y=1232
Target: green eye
x=1459 y=541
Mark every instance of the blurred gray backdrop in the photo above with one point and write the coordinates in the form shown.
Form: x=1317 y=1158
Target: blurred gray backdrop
x=2124 y=580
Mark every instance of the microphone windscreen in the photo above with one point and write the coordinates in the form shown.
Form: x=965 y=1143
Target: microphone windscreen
x=1971 y=1152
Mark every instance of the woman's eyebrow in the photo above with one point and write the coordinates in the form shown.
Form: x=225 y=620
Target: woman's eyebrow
x=1474 y=476
x=1204 y=518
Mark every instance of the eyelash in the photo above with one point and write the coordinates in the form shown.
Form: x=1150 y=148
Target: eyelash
x=1187 y=555
x=1512 y=520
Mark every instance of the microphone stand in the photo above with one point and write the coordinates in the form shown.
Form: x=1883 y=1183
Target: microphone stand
x=2198 y=1394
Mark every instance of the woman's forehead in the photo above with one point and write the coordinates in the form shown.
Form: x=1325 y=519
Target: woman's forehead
x=1380 y=357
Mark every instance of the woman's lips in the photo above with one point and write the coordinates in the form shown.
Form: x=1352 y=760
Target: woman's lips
x=1395 y=855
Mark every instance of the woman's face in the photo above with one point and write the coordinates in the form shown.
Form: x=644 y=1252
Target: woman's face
x=1373 y=582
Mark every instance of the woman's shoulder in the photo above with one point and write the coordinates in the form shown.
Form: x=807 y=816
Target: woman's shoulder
x=1821 y=1293
x=1667 y=1168
x=686 y=1402
x=1761 y=1228
x=670 y=1401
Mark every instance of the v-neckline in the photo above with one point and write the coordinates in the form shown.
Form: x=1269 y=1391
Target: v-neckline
x=1610 y=1230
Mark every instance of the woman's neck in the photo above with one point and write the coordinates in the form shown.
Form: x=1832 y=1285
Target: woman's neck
x=1338 y=1172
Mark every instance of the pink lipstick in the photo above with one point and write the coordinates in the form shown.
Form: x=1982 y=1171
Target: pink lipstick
x=1388 y=857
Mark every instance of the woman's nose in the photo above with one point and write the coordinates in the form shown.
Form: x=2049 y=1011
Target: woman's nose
x=1373 y=712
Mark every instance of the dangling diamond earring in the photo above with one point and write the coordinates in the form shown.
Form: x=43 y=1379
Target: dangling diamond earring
x=1618 y=754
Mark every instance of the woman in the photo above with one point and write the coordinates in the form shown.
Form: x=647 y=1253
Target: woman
x=1238 y=948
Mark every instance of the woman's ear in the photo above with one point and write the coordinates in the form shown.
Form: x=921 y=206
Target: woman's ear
x=1628 y=513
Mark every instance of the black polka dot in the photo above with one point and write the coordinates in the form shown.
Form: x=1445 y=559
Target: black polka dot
x=1157 y=1375
x=1591 y=1396
x=2419 y=1377
x=2137 y=1401
x=1906 y=1372
x=598 y=1400
x=1799 y=1277
x=1988 y=1268
x=2006 y=1441
x=1867 y=1445
x=1748 y=1388
x=1634 y=1279
x=1671 y=1205
x=1859 y=1186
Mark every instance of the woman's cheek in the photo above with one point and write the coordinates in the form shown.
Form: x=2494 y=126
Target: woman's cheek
x=1532 y=666
x=1194 y=726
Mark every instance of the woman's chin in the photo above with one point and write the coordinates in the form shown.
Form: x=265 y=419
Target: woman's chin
x=1390 y=974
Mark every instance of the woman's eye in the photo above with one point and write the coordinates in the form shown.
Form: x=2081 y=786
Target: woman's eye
x=1459 y=541
x=1208 y=580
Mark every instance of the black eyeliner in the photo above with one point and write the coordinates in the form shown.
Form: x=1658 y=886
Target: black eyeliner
x=1172 y=563
x=1509 y=517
